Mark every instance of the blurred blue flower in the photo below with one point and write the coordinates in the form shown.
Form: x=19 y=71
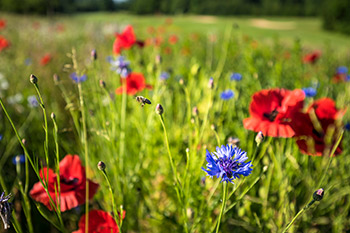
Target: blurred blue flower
x=342 y=70
x=309 y=91
x=227 y=163
x=18 y=159
x=236 y=77
x=78 y=79
x=347 y=126
x=120 y=65
x=28 y=61
x=347 y=78
x=226 y=95
x=1 y=137
x=32 y=101
x=164 y=76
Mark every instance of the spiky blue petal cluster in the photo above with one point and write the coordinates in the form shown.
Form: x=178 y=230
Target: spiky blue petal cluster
x=227 y=163
x=226 y=95
x=120 y=65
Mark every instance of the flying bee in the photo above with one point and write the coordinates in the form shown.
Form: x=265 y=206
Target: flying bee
x=142 y=100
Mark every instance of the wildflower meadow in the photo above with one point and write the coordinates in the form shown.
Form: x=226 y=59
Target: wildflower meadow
x=160 y=124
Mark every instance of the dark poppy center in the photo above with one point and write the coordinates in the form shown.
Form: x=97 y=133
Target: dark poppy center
x=317 y=134
x=228 y=166
x=69 y=181
x=271 y=116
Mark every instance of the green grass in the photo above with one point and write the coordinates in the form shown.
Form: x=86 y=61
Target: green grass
x=154 y=164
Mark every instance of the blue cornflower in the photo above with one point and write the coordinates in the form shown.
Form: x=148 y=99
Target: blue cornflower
x=120 y=65
x=164 y=76
x=78 y=79
x=32 y=101
x=18 y=159
x=226 y=95
x=1 y=137
x=236 y=77
x=347 y=126
x=227 y=163
x=309 y=91
x=5 y=209
x=342 y=70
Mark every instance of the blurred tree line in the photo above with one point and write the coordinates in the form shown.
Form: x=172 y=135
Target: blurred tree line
x=335 y=13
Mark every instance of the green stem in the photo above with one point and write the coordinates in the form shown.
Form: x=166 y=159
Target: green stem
x=117 y=218
x=222 y=206
x=298 y=214
x=55 y=133
x=86 y=151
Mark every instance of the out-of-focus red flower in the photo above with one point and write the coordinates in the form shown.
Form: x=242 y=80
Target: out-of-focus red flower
x=271 y=111
x=185 y=51
x=36 y=25
x=173 y=39
x=99 y=222
x=135 y=82
x=125 y=40
x=3 y=43
x=161 y=29
x=72 y=185
x=2 y=23
x=311 y=58
x=60 y=27
x=167 y=50
x=194 y=36
x=45 y=59
x=168 y=21
x=311 y=132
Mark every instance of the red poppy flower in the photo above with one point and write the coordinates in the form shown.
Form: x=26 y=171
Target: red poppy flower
x=311 y=58
x=72 y=185
x=271 y=111
x=310 y=138
x=135 y=82
x=173 y=39
x=2 y=23
x=3 y=43
x=45 y=60
x=125 y=40
x=99 y=222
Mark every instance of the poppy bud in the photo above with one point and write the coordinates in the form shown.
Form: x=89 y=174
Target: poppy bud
x=159 y=109
x=33 y=79
x=318 y=194
x=259 y=138
x=24 y=141
x=101 y=166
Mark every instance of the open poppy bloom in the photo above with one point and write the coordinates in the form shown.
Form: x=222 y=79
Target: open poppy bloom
x=45 y=59
x=135 y=82
x=3 y=43
x=271 y=111
x=99 y=222
x=312 y=128
x=72 y=185
x=173 y=39
x=311 y=58
x=126 y=40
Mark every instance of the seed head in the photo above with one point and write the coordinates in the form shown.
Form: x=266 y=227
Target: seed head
x=159 y=109
x=33 y=79
x=101 y=166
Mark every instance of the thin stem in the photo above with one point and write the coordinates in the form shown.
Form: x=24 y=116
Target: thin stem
x=297 y=215
x=55 y=133
x=222 y=206
x=86 y=151
x=117 y=218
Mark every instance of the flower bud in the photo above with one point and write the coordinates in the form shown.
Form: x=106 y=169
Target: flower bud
x=195 y=111
x=318 y=194
x=53 y=116
x=211 y=83
x=24 y=141
x=259 y=138
x=101 y=166
x=159 y=109
x=158 y=59
x=56 y=78
x=93 y=54
x=33 y=79
x=102 y=83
